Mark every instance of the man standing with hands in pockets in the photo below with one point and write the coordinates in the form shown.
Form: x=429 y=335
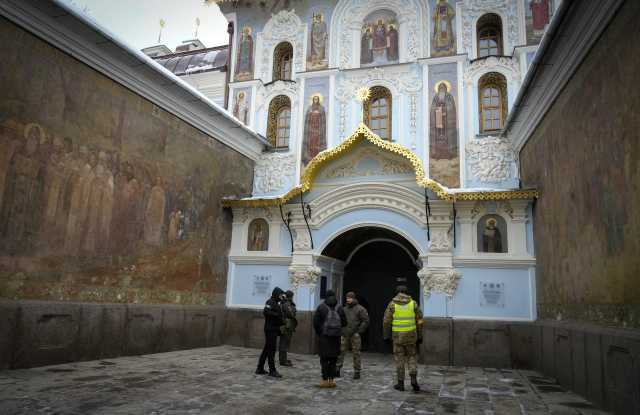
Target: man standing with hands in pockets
x=357 y=323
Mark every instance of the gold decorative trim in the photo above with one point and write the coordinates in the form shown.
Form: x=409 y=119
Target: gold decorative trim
x=364 y=133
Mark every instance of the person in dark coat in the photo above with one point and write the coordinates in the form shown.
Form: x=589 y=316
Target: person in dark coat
x=273 y=321
x=328 y=321
x=290 y=324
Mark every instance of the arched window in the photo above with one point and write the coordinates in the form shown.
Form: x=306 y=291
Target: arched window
x=258 y=237
x=492 y=96
x=377 y=112
x=279 y=122
x=492 y=234
x=282 y=61
x=489 y=31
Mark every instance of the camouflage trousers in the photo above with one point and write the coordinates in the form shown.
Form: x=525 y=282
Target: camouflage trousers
x=356 y=344
x=405 y=355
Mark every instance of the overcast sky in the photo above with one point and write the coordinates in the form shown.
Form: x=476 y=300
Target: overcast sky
x=137 y=21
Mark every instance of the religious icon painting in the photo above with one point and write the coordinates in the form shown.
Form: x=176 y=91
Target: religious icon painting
x=379 y=39
x=244 y=59
x=315 y=129
x=444 y=158
x=242 y=105
x=318 y=42
x=443 y=33
x=492 y=234
x=537 y=16
x=258 y=236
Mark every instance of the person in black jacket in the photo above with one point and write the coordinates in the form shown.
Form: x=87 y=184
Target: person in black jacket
x=324 y=321
x=273 y=320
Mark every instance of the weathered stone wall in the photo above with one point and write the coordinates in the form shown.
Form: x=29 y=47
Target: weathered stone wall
x=584 y=157
x=104 y=197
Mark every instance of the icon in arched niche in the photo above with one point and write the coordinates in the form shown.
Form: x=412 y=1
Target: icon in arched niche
x=258 y=238
x=492 y=234
x=241 y=106
x=443 y=38
x=244 y=62
x=318 y=42
x=379 y=40
x=315 y=130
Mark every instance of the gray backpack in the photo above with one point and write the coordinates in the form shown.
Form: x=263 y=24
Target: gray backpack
x=332 y=326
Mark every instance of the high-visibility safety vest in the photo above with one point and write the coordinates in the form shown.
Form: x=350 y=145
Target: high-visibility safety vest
x=404 y=318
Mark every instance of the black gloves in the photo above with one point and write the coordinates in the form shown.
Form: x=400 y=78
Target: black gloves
x=419 y=342
x=387 y=340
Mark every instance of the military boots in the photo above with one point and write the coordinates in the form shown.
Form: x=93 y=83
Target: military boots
x=399 y=386
x=414 y=383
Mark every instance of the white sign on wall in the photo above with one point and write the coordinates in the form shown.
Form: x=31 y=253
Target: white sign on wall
x=262 y=285
x=491 y=294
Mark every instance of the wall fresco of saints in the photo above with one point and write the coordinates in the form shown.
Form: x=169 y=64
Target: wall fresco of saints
x=242 y=105
x=318 y=56
x=444 y=158
x=379 y=39
x=244 y=59
x=315 y=120
x=443 y=28
x=537 y=16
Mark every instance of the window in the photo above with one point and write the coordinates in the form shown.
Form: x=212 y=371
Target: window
x=282 y=61
x=377 y=112
x=489 y=35
x=492 y=96
x=279 y=122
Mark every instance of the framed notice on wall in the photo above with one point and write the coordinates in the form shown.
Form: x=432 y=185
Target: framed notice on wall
x=491 y=294
x=262 y=285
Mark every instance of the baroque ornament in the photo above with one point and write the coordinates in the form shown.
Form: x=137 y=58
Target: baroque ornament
x=301 y=276
x=284 y=26
x=504 y=64
x=473 y=9
x=273 y=171
x=441 y=240
x=439 y=280
x=490 y=158
x=302 y=241
x=268 y=92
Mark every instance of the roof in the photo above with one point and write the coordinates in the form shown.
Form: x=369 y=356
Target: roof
x=66 y=27
x=195 y=61
x=363 y=133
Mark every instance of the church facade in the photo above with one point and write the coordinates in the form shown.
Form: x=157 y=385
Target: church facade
x=388 y=164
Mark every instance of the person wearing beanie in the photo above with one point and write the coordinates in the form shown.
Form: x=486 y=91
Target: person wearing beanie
x=273 y=321
x=328 y=321
x=357 y=324
x=290 y=324
x=403 y=323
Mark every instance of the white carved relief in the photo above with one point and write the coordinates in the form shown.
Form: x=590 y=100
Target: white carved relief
x=441 y=240
x=300 y=276
x=473 y=9
x=268 y=92
x=348 y=23
x=302 y=240
x=386 y=166
x=284 y=26
x=490 y=159
x=273 y=171
x=503 y=64
x=441 y=280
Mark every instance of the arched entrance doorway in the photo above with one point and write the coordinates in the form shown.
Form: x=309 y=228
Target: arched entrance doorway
x=376 y=261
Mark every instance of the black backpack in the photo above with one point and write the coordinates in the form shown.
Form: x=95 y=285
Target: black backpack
x=332 y=326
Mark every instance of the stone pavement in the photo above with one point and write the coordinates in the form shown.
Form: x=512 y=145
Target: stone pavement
x=220 y=380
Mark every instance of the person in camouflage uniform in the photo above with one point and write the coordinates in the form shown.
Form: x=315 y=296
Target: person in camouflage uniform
x=357 y=323
x=403 y=323
x=290 y=324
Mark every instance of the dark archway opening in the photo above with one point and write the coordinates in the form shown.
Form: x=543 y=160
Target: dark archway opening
x=377 y=261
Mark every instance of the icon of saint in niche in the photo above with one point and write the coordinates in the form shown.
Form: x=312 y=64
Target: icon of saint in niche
x=315 y=130
x=444 y=130
x=491 y=237
x=258 y=238
x=443 y=37
x=244 y=63
x=318 y=41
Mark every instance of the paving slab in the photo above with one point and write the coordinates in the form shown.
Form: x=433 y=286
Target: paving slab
x=220 y=380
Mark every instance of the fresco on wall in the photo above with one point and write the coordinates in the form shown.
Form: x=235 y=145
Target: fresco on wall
x=315 y=120
x=492 y=234
x=242 y=105
x=379 y=39
x=537 y=16
x=104 y=196
x=244 y=60
x=444 y=159
x=318 y=57
x=258 y=236
x=443 y=28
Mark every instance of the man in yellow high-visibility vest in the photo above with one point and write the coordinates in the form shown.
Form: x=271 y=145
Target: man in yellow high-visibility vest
x=403 y=323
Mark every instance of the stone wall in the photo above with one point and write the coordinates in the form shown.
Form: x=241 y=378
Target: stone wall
x=104 y=197
x=584 y=158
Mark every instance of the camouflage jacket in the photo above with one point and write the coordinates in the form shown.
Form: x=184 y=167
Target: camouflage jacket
x=401 y=338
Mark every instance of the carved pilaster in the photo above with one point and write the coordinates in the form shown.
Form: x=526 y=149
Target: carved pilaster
x=441 y=280
x=304 y=276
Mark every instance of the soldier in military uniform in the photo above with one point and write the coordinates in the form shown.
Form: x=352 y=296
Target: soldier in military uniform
x=290 y=324
x=357 y=323
x=403 y=323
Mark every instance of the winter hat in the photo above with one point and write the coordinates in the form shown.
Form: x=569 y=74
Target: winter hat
x=289 y=294
x=351 y=294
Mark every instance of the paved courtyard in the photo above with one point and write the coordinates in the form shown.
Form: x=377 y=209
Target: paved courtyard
x=220 y=380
